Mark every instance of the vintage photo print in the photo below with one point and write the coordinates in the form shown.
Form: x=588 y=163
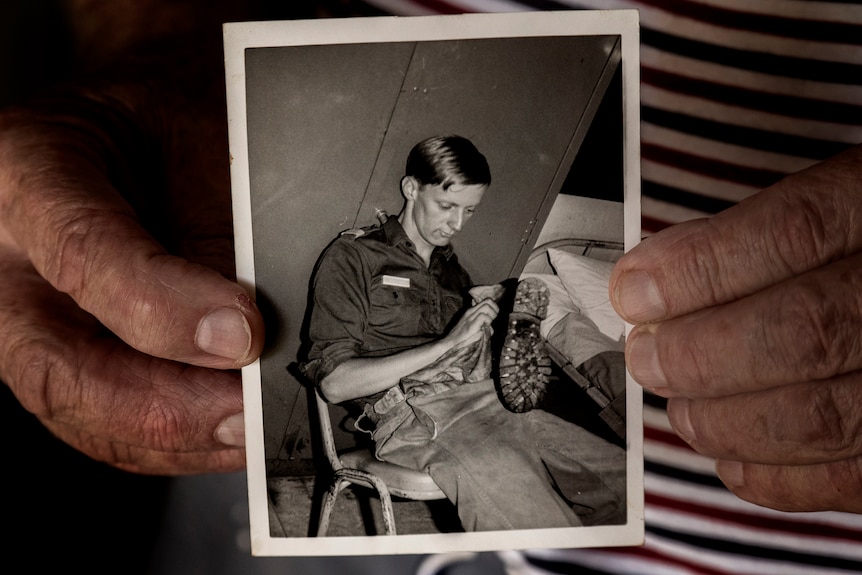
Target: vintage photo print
x=427 y=211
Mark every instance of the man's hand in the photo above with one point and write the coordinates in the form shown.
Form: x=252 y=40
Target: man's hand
x=493 y=292
x=472 y=324
x=119 y=321
x=751 y=323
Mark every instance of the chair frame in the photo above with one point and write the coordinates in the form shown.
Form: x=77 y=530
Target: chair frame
x=359 y=466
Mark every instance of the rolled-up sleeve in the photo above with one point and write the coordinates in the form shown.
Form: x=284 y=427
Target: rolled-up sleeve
x=340 y=305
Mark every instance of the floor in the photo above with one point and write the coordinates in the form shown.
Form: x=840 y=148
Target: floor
x=357 y=511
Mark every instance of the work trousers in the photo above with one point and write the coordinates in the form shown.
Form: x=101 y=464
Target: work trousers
x=504 y=470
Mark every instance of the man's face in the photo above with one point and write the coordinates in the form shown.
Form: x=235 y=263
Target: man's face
x=440 y=214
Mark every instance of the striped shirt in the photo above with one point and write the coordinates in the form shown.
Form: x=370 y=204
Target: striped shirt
x=735 y=94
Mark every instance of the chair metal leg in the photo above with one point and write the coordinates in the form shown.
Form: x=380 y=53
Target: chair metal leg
x=342 y=478
x=328 y=505
x=386 y=506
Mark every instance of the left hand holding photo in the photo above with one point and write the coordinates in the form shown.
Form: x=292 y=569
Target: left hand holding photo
x=122 y=328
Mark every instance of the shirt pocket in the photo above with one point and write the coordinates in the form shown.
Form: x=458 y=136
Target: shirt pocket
x=395 y=310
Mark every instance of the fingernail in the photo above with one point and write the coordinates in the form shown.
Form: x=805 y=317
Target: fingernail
x=224 y=332
x=231 y=431
x=731 y=473
x=642 y=359
x=679 y=414
x=639 y=298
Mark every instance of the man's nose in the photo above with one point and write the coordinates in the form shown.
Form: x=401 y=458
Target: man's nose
x=456 y=221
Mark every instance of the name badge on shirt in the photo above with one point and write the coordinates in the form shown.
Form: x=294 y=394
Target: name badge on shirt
x=396 y=281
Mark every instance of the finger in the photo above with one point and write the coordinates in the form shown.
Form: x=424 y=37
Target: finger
x=494 y=292
x=797 y=225
x=805 y=329
x=822 y=487
x=483 y=312
x=85 y=240
x=136 y=459
x=66 y=369
x=798 y=424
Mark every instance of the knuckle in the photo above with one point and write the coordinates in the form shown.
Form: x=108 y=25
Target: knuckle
x=77 y=250
x=827 y=426
x=812 y=332
x=800 y=235
x=152 y=317
x=44 y=382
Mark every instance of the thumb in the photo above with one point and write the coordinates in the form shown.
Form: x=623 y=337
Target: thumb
x=83 y=237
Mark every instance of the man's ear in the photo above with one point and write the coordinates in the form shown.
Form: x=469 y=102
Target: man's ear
x=409 y=187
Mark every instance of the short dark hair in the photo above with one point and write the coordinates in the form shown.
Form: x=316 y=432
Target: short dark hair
x=447 y=161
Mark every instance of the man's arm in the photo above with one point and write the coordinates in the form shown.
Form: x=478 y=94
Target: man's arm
x=361 y=377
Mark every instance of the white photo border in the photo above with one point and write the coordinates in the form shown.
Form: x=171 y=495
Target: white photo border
x=240 y=36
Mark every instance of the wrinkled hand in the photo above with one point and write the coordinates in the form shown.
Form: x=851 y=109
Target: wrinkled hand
x=121 y=331
x=751 y=323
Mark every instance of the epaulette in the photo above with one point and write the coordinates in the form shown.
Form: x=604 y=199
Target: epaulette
x=355 y=233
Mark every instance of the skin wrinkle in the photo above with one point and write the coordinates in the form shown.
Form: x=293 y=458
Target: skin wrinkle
x=698 y=261
x=799 y=239
x=710 y=370
x=162 y=426
x=762 y=422
x=853 y=278
x=168 y=405
x=689 y=353
x=36 y=356
x=80 y=259
x=795 y=342
x=780 y=426
x=50 y=204
x=687 y=359
x=838 y=482
x=34 y=367
x=153 y=320
x=827 y=428
x=823 y=331
x=159 y=437
x=70 y=265
x=168 y=390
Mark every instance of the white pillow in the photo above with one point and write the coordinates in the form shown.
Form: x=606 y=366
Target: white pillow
x=586 y=281
x=559 y=302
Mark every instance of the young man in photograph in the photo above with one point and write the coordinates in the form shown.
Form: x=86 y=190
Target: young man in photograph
x=398 y=329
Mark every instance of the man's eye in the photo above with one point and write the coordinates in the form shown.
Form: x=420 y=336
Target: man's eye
x=445 y=207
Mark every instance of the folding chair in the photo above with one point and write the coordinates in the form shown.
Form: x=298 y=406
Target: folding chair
x=359 y=467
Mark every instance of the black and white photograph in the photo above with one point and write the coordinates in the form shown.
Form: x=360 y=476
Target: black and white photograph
x=427 y=211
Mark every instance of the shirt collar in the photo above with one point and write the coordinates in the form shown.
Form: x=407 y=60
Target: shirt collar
x=395 y=235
